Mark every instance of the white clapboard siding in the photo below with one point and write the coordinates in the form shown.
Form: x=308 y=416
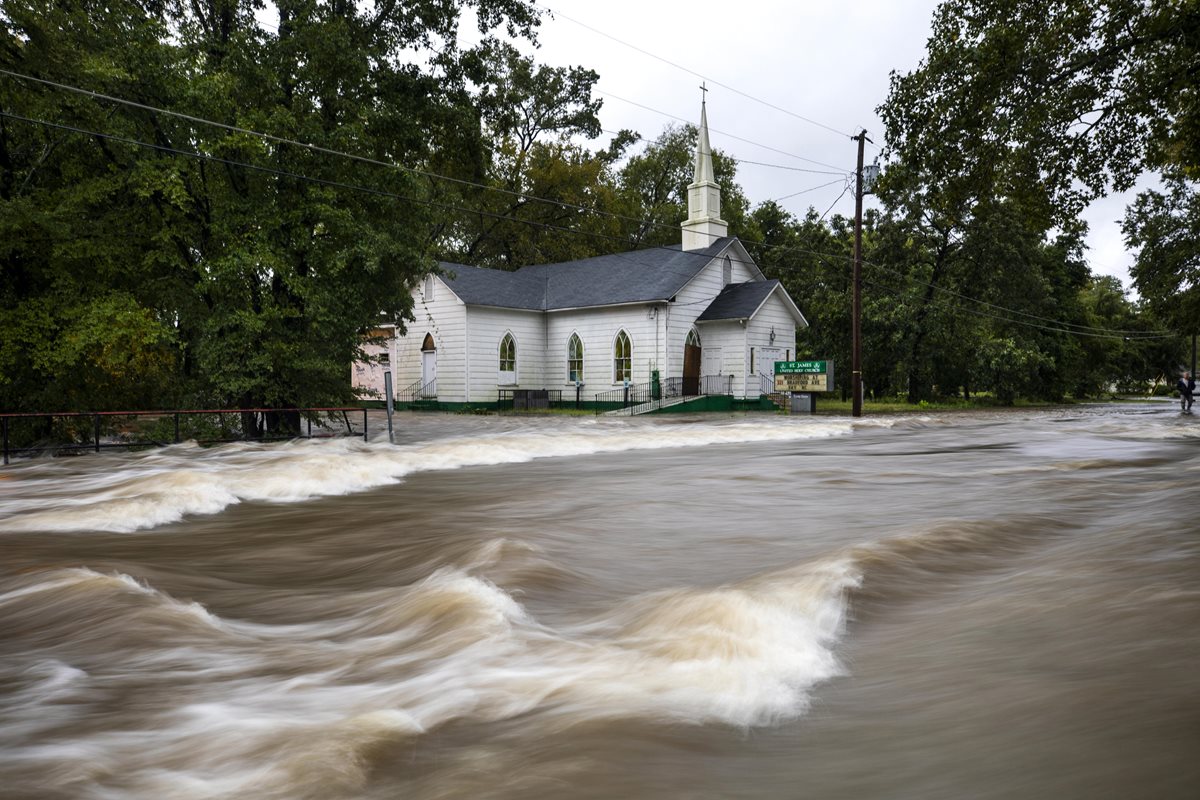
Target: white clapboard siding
x=444 y=317
x=730 y=337
x=773 y=314
x=690 y=303
x=597 y=329
x=487 y=326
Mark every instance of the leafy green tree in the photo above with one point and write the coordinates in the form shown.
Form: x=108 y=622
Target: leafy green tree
x=1164 y=227
x=136 y=274
x=1051 y=105
x=1064 y=96
x=652 y=186
x=542 y=193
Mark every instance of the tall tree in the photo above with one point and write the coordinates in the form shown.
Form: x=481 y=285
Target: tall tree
x=207 y=265
x=541 y=192
x=1053 y=104
x=1164 y=226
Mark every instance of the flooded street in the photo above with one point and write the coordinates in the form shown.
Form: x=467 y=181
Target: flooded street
x=983 y=604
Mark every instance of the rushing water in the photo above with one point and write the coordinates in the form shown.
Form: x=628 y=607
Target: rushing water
x=966 y=605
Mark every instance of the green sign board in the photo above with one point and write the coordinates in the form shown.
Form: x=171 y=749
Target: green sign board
x=795 y=367
x=803 y=376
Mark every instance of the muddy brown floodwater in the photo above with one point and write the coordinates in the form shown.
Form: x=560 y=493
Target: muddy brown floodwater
x=969 y=605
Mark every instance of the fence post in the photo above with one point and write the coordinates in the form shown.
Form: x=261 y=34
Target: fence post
x=176 y=427
x=364 y=423
x=387 y=389
x=96 y=428
x=6 y=441
x=310 y=427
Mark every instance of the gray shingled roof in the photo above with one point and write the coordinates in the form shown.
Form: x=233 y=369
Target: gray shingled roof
x=493 y=287
x=653 y=274
x=738 y=301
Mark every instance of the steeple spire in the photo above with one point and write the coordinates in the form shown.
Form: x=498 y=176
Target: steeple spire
x=704 y=224
x=703 y=171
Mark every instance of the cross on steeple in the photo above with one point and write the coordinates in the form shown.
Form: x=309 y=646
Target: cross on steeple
x=704 y=92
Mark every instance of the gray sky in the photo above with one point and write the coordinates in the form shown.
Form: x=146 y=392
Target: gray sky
x=822 y=61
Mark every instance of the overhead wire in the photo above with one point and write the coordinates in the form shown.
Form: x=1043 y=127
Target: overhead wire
x=549 y=226
x=357 y=187
x=725 y=86
x=1096 y=333
x=305 y=145
x=660 y=140
x=723 y=133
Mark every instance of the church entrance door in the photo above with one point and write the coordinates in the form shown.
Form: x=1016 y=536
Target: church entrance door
x=691 y=370
x=428 y=367
x=710 y=366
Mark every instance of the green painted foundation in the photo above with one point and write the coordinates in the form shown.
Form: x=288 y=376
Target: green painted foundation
x=710 y=403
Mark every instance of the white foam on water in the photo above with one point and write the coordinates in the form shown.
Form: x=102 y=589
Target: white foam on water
x=155 y=490
x=299 y=712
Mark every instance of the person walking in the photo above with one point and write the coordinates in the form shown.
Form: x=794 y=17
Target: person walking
x=1186 y=387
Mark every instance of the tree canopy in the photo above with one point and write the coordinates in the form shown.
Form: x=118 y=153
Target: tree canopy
x=1053 y=104
x=152 y=259
x=203 y=206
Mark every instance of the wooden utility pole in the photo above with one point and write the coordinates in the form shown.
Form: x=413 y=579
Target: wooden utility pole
x=856 y=384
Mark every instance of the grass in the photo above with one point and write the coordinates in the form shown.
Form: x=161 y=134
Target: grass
x=836 y=407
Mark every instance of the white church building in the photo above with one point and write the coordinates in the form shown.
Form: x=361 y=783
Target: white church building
x=698 y=318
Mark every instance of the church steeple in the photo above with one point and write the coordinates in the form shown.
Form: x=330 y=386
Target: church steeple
x=704 y=224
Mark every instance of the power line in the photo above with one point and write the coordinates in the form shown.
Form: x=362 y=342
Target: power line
x=353 y=187
x=953 y=293
x=835 y=202
x=1103 y=334
x=660 y=140
x=317 y=148
x=805 y=191
x=549 y=226
x=698 y=75
x=723 y=133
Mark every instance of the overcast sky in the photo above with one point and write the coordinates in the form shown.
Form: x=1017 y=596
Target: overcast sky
x=828 y=63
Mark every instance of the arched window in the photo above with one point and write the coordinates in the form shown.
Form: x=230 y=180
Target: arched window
x=622 y=358
x=574 y=359
x=427 y=289
x=727 y=272
x=508 y=359
x=693 y=338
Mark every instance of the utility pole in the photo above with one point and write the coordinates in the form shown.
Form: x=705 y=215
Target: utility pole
x=856 y=383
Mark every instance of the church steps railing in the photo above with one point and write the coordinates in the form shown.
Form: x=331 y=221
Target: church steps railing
x=644 y=397
x=417 y=391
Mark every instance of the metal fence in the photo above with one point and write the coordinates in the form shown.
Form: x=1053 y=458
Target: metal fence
x=420 y=390
x=660 y=391
x=74 y=432
x=529 y=399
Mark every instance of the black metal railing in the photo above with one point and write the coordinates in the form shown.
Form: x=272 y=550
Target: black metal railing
x=421 y=390
x=529 y=399
x=631 y=395
x=766 y=384
x=716 y=384
x=659 y=392
x=50 y=433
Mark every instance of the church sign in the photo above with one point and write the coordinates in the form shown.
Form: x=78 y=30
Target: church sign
x=803 y=376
